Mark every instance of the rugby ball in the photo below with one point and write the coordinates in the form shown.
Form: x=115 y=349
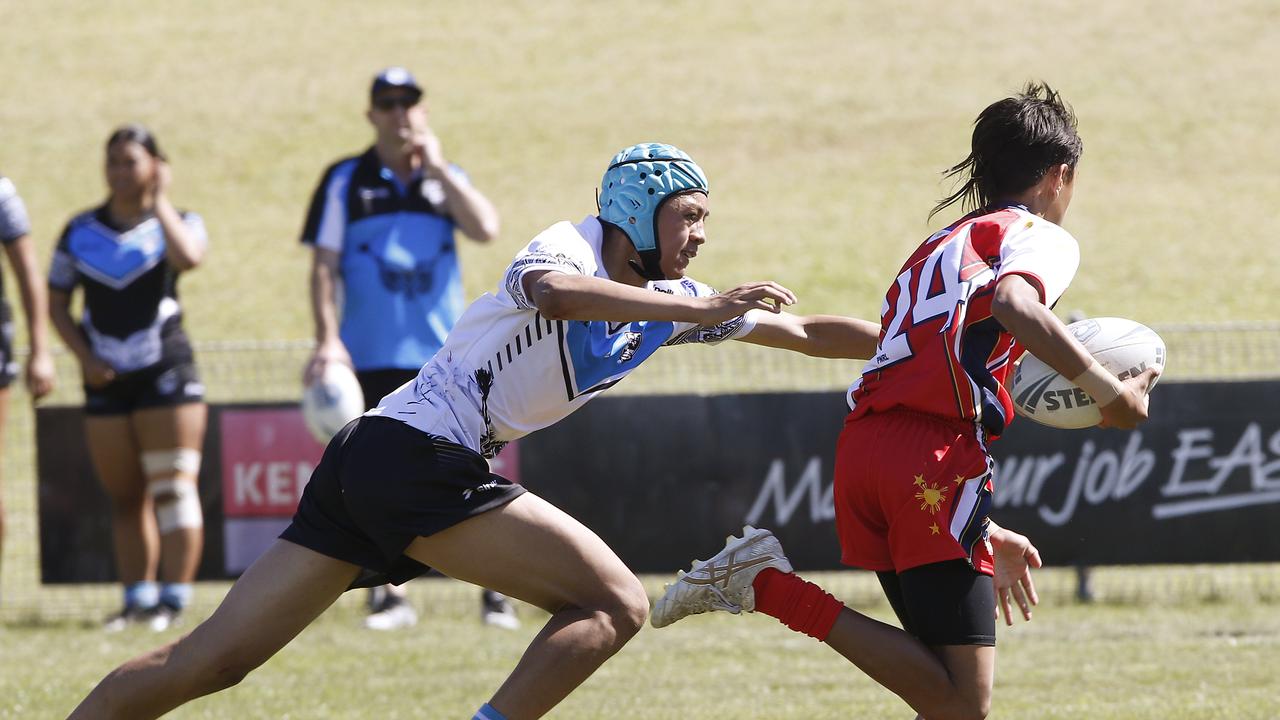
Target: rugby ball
x=1123 y=347
x=331 y=401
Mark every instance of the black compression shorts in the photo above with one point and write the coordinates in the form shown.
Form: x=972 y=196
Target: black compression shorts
x=944 y=603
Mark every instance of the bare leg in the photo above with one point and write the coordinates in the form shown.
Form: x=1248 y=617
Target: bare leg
x=278 y=596
x=940 y=682
x=171 y=428
x=531 y=550
x=114 y=453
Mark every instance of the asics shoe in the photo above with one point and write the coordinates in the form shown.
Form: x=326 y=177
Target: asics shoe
x=724 y=581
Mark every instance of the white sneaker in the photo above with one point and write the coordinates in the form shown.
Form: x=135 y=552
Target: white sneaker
x=163 y=617
x=724 y=581
x=392 y=616
x=497 y=611
x=125 y=618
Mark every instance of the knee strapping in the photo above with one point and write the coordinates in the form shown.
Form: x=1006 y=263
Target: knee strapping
x=177 y=504
x=178 y=461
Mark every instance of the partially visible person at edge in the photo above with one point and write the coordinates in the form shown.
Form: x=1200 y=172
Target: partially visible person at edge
x=15 y=236
x=382 y=228
x=406 y=487
x=913 y=477
x=144 y=403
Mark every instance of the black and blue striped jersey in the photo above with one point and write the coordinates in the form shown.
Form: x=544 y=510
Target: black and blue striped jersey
x=131 y=313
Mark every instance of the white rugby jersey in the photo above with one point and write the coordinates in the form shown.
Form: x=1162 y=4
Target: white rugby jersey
x=505 y=370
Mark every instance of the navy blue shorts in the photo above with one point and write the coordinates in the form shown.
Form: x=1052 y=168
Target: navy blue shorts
x=380 y=485
x=164 y=384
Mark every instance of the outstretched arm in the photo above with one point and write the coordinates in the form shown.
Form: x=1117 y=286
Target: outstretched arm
x=827 y=336
x=565 y=296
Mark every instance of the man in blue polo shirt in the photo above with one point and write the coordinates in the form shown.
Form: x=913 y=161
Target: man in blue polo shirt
x=382 y=227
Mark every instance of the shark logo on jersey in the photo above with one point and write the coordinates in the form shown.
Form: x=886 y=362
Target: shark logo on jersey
x=633 y=344
x=414 y=281
x=598 y=354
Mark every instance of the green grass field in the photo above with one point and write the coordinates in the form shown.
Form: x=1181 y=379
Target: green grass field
x=823 y=126
x=1124 y=661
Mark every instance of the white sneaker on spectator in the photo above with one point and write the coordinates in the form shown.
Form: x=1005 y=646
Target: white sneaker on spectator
x=394 y=615
x=162 y=617
x=125 y=618
x=724 y=581
x=497 y=611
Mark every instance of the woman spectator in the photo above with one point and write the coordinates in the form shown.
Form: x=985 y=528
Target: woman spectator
x=144 y=403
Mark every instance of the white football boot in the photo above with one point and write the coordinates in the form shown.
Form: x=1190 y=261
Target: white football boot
x=724 y=581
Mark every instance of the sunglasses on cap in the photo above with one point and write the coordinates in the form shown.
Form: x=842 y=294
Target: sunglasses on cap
x=387 y=104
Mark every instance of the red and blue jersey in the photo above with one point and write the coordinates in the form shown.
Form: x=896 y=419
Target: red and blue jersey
x=941 y=352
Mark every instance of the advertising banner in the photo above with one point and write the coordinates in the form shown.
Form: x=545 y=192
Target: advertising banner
x=664 y=478
x=257 y=460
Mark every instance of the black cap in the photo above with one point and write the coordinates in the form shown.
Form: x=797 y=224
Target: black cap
x=394 y=77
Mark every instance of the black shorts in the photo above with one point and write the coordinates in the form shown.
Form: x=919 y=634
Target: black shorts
x=377 y=384
x=382 y=483
x=8 y=366
x=944 y=603
x=161 y=385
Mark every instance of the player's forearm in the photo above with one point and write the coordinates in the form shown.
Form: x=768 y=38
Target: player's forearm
x=324 y=309
x=560 y=296
x=35 y=305
x=68 y=330
x=836 y=336
x=1018 y=308
x=475 y=216
x=183 y=250
x=825 y=336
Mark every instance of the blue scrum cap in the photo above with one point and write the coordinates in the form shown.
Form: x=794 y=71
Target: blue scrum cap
x=638 y=181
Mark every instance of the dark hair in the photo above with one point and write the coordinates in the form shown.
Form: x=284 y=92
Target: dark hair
x=1015 y=142
x=133 y=132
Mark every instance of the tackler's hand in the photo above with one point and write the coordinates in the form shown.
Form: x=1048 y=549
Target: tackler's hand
x=764 y=295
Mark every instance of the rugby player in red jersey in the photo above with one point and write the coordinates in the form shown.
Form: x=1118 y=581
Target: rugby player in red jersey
x=913 y=477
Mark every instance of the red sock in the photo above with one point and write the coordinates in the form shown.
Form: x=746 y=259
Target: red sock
x=797 y=603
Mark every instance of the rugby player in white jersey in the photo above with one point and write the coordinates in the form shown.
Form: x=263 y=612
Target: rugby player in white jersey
x=407 y=487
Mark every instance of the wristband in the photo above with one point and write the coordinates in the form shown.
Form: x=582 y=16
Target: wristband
x=1101 y=385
